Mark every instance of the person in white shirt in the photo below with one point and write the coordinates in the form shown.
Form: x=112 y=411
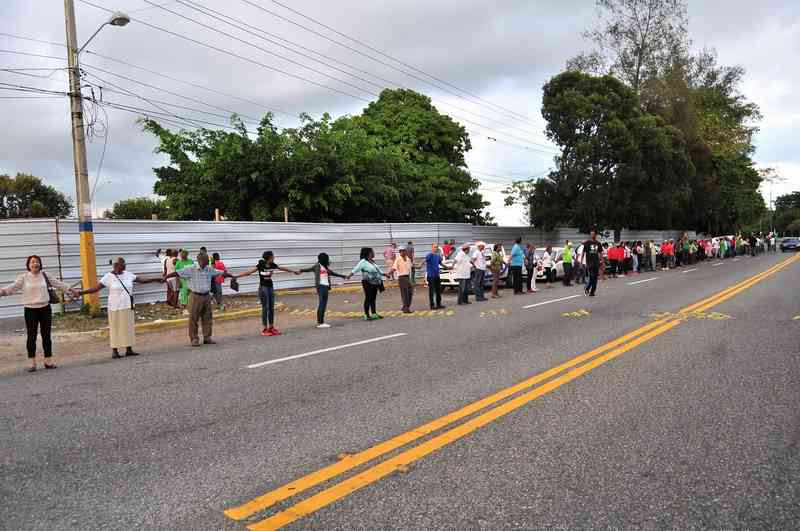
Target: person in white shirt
x=120 y=305
x=463 y=273
x=36 y=287
x=479 y=273
x=547 y=265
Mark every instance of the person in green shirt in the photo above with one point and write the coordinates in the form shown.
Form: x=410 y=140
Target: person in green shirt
x=567 y=258
x=496 y=265
x=182 y=262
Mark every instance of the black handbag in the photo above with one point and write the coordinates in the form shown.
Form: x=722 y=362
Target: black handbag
x=51 y=291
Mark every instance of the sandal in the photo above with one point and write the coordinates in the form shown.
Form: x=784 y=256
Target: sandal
x=51 y=366
x=31 y=369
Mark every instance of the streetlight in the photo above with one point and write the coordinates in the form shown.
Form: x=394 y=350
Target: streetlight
x=84 y=200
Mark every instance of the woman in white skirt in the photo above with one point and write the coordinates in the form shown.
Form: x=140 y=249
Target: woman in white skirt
x=120 y=308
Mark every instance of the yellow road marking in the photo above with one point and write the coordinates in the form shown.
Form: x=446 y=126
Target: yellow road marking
x=578 y=313
x=378 y=471
x=404 y=459
x=796 y=318
x=351 y=461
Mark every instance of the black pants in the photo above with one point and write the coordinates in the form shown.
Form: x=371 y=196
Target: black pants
x=591 y=286
x=516 y=278
x=370 y=297
x=529 y=278
x=406 y=291
x=322 y=293
x=435 y=291
x=567 y=274
x=463 y=290
x=37 y=319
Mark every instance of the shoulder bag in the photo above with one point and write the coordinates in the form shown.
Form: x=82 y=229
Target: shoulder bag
x=51 y=292
x=133 y=305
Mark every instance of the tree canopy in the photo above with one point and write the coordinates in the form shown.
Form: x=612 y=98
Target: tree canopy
x=26 y=196
x=651 y=135
x=137 y=208
x=400 y=160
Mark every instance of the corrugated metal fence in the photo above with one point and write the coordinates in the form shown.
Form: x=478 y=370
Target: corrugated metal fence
x=240 y=244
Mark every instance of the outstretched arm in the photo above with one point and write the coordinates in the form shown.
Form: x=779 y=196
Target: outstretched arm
x=246 y=273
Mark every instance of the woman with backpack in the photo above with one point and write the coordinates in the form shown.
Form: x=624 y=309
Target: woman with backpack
x=120 y=305
x=371 y=282
x=38 y=293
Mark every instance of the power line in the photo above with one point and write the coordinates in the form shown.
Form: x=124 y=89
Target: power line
x=211 y=28
x=230 y=53
x=397 y=60
x=376 y=59
x=160 y=89
x=239 y=24
x=213 y=90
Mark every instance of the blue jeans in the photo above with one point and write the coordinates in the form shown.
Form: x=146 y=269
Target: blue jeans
x=322 y=293
x=267 y=296
x=591 y=286
x=477 y=283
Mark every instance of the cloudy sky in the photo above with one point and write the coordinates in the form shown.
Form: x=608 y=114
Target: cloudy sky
x=488 y=60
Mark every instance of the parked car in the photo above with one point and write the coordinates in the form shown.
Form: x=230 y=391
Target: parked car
x=557 y=256
x=790 y=245
x=448 y=275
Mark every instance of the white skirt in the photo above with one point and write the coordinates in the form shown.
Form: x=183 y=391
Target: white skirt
x=120 y=327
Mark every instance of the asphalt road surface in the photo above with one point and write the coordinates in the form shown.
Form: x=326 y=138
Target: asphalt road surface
x=667 y=401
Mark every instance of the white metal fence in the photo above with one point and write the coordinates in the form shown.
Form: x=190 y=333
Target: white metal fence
x=240 y=244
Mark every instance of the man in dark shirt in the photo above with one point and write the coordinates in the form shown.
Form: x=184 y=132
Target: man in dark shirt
x=433 y=260
x=592 y=257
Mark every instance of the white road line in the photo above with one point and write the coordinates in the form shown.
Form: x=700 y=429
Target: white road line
x=718 y=264
x=551 y=301
x=689 y=270
x=643 y=281
x=736 y=259
x=322 y=350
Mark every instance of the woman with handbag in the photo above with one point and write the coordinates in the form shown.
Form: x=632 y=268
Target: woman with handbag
x=121 y=315
x=371 y=282
x=38 y=293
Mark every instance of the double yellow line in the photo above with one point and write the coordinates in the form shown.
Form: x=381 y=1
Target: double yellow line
x=561 y=374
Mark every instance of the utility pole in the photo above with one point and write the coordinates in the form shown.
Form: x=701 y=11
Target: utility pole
x=83 y=200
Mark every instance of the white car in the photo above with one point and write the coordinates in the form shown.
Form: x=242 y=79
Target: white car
x=448 y=275
x=557 y=256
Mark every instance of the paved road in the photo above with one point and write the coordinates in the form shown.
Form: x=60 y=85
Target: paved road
x=688 y=421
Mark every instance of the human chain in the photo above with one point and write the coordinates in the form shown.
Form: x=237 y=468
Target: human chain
x=193 y=286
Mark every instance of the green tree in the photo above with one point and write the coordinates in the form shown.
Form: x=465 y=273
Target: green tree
x=401 y=160
x=137 y=208
x=26 y=196
x=741 y=204
x=431 y=178
x=787 y=212
x=618 y=167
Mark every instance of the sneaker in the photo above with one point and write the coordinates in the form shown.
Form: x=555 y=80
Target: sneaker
x=366 y=318
x=324 y=325
x=275 y=331
x=534 y=291
x=266 y=332
x=376 y=316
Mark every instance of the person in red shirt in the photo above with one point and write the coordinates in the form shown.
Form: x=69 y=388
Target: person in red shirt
x=216 y=284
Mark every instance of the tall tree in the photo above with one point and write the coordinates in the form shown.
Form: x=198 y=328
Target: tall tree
x=26 y=196
x=636 y=41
